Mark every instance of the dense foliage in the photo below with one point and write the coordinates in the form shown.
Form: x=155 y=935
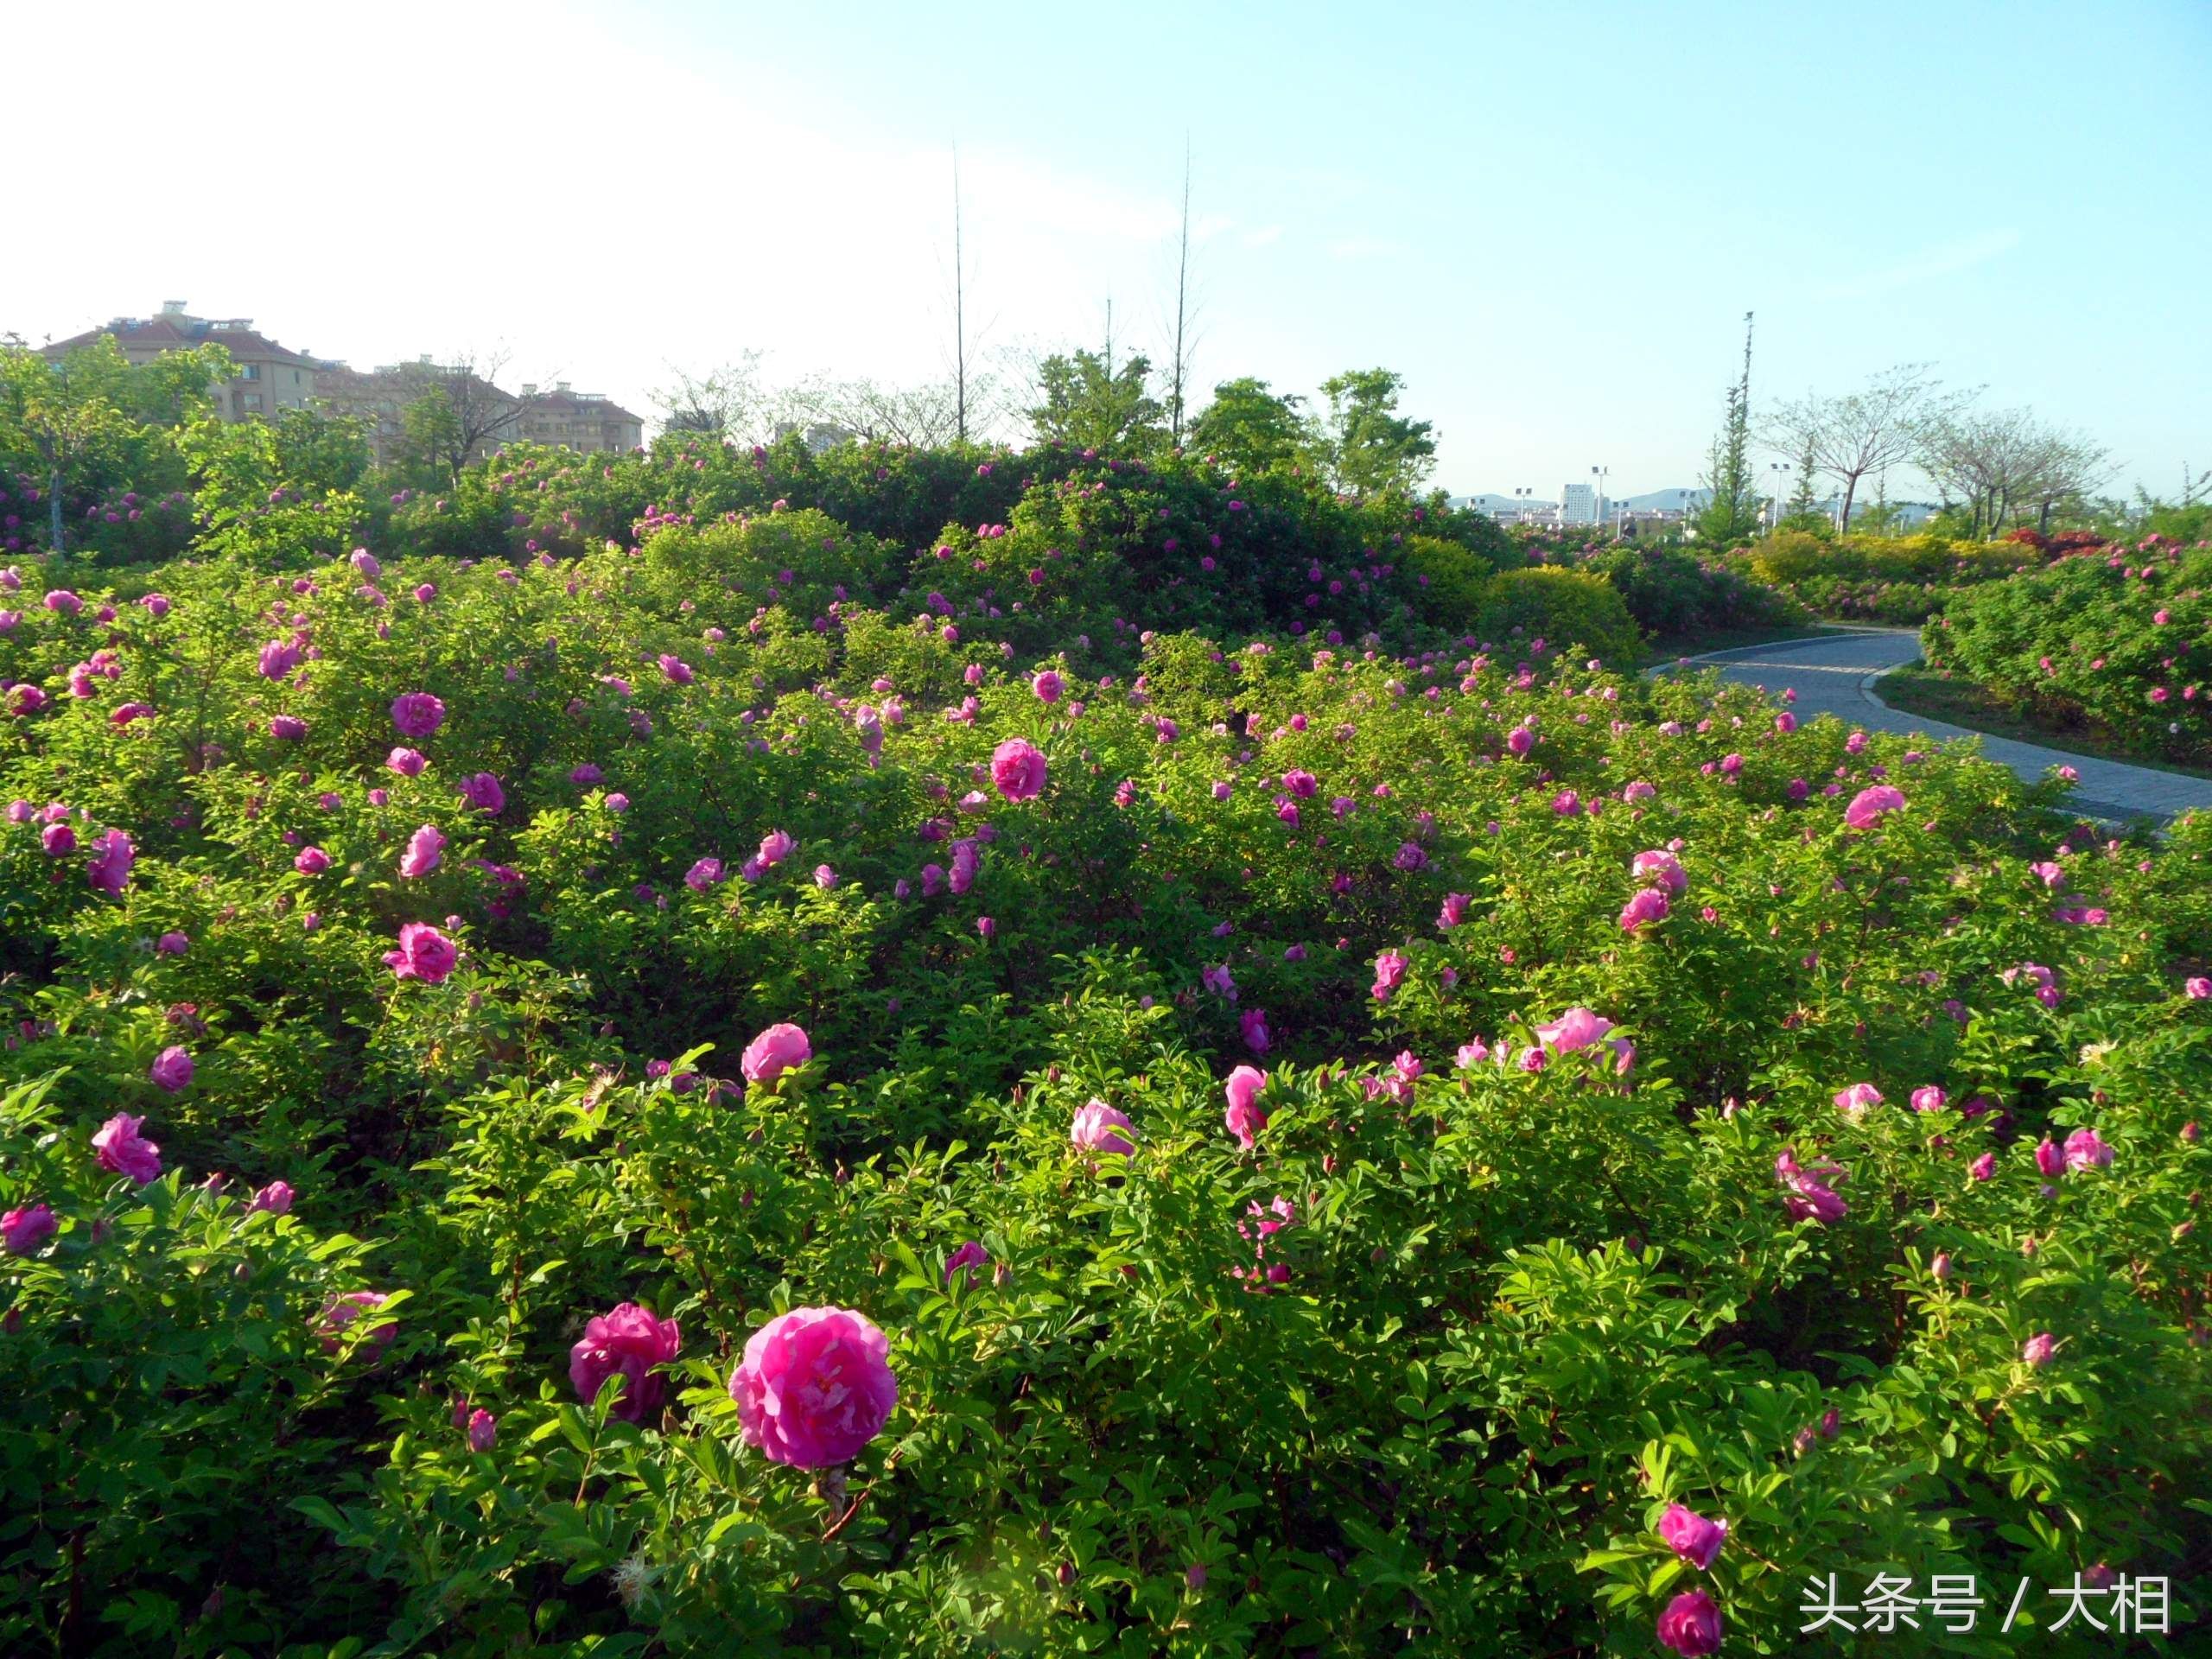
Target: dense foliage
x=2117 y=642
x=1898 y=579
x=424 y=959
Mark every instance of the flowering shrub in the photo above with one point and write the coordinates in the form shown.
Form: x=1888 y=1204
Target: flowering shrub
x=1567 y=607
x=2116 y=640
x=1899 y=580
x=953 y=1129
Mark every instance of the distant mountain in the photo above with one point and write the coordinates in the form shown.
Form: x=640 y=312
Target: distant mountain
x=1667 y=500
x=1650 y=501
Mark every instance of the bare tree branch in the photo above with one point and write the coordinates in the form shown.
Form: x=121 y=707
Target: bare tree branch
x=1865 y=431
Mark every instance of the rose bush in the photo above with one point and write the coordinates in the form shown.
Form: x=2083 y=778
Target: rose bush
x=1439 y=1146
x=2115 y=641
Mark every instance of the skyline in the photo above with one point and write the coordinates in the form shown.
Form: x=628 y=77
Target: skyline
x=1543 y=259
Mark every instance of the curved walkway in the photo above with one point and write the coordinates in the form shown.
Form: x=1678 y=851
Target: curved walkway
x=1838 y=675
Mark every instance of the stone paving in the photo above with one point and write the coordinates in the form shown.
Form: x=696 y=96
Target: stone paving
x=1840 y=674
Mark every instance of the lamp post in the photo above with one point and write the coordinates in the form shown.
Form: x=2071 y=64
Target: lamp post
x=1780 y=469
x=1598 y=507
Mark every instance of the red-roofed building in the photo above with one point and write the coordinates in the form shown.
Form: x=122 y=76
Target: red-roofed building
x=269 y=377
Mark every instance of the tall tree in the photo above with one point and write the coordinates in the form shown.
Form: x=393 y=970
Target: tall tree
x=1802 y=499
x=1732 y=514
x=923 y=417
x=89 y=419
x=726 y=402
x=1862 y=432
x=2061 y=468
x=453 y=413
x=1250 y=429
x=1368 y=447
x=235 y=464
x=1999 y=464
x=1081 y=402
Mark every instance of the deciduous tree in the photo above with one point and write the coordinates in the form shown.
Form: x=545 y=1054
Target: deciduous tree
x=1368 y=447
x=1860 y=432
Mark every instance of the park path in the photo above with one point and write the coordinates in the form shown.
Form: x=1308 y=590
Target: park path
x=1839 y=674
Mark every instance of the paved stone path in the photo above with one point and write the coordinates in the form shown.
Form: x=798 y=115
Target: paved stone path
x=1840 y=674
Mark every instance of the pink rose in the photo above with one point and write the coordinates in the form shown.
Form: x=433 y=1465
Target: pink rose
x=172 y=1069
x=1691 y=1536
x=1099 y=1128
x=1579 y=1028
x=424 y=954
x=417 y=714
x=628 y=1342
x=425 y=847
x=815 y=1387
x=113 y=856
x=1868 y=807
x=1244 y=1117
x=774 y=1051
x=482 y=790
x=341 y=1312
x=1018 y=769
x=1691 y=1624
x=119 y=1146
x=23 y=1230
x=2087 y=1149
x=1389 y=973
x=971 y=1255
x=1854 y=1101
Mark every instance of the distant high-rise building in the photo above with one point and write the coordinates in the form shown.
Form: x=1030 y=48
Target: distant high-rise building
x=1577 y=504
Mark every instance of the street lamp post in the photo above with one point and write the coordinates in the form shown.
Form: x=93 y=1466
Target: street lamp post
x=1780 y=471
x=1598 y=507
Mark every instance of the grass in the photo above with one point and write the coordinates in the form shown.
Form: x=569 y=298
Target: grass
x=1917 y=689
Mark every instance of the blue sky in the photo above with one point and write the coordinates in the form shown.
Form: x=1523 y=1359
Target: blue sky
x=1551 y=220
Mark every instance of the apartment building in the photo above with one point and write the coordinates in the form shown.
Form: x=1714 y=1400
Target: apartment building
x=269 y=377
x=587 y=421
x=490 y=417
